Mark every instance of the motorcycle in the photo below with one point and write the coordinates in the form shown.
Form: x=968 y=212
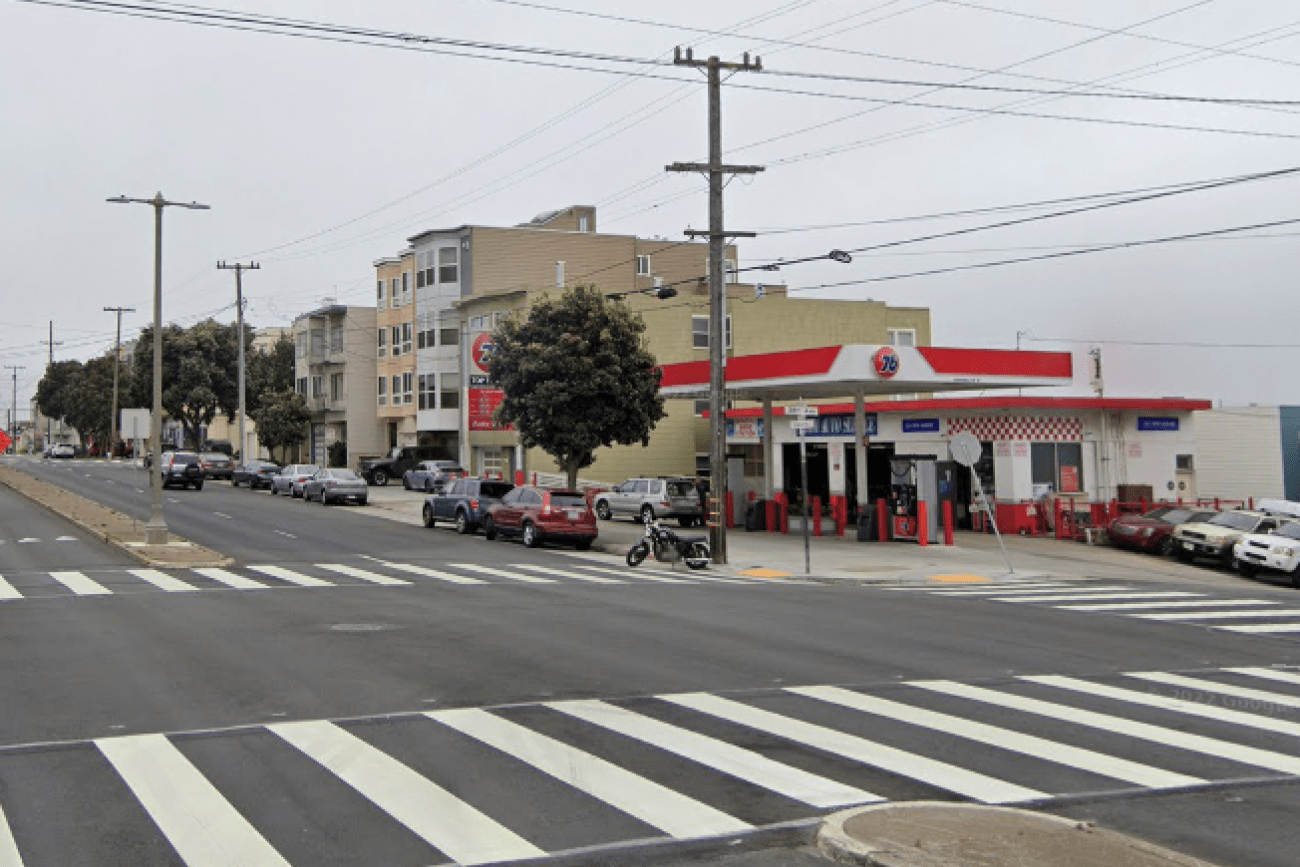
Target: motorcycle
x=668 y=547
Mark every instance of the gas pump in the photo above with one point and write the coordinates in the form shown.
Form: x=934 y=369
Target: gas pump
x=916 y=479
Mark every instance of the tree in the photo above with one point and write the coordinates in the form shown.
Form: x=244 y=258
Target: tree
x=576 y=377
x=282 y=418
x=200 y=374
x=270 y=372
x=56 y=392
x=91 y=410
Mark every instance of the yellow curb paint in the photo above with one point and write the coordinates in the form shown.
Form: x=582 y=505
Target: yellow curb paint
x=764 y=573
x=959 y=579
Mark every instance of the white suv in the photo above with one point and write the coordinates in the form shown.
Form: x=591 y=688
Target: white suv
x=1278 y=551
x=647 y=499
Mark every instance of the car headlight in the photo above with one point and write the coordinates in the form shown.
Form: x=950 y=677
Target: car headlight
x=1284 y=550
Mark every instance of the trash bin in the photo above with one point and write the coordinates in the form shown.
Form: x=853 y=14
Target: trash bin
x=868 y=531
x=756 y=516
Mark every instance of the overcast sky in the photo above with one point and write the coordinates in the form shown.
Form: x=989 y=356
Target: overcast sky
x=317 y=157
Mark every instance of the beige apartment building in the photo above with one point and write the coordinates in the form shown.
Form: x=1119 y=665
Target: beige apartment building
x=335 y=371
x=469 y=277
x=395 y=349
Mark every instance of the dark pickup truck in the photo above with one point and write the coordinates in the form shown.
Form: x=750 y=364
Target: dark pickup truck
x=380 y=471
x=465 y=503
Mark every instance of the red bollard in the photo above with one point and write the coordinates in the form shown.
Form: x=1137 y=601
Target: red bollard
x=519 y=477
x=773 y=509
x=1216 y=504
x=731 y=499
x=882 y=520
x=815 y=515
x=841 y=512
x=923 y=523
x=947 y=522
x=785 y=515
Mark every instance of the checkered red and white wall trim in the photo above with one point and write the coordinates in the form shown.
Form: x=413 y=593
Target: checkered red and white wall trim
x=1038 y=428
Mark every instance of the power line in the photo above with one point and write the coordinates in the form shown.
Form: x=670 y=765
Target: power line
x=1191 y=344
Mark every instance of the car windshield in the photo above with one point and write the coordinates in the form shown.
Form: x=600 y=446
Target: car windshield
x=184 y=457
x=568 y=499
x=1172 y=516
x=1234 y=520
x=494 y=489
x=1159 y=512
x=1290 y=530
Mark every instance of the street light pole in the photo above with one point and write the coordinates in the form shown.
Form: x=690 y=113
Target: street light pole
x=155 y=531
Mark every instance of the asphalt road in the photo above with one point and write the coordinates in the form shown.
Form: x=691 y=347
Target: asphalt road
x=404 y=696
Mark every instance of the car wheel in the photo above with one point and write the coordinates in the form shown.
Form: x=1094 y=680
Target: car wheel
x=532 y=538
x=602 y=511
x=489 y=529
x=323 y=500
x=647 y=514
x=427 y=514
x=198 y=486
x=381 y=478
x=462 y=523
x=1164 y=547
x=362 y=501
x=1247 y=570
x=1184 y=556
x=428 y=486
x=406 y=483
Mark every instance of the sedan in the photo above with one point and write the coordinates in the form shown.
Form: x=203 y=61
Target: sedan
x=1152 y=531
x=538 y=515
x=290 y=479
x=216 y=465
x=431 y=476
x=255 y=474
x=335 y=486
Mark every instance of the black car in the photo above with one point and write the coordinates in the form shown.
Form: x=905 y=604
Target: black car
x=255 y=474
x=182 y=468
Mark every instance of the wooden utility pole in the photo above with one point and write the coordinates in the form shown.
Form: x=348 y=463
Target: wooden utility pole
x=49 y=422
x=13 y=417
x=117 y=363
x=239 y=305
x=717 y=235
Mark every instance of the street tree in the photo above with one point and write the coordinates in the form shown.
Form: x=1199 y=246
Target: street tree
x=282 y=419
x=91 y=409
x=56 y=393
x=576 y=377
x=269 y=372
x=200 y=374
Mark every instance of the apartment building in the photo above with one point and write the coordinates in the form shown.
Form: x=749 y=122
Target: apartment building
x=335 y=369
x=467 y=278
x=395 y=306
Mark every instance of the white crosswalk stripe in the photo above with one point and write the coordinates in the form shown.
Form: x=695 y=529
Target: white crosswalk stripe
x=283 y=574
x=162 y=581
x=1091 y=597
x=1263 y=628
x=197 y=820
x=230 y=579
x=364 y=574
x=567 y=573
x=503 y=573
x=676 y=763
x=424 y=572
x=7 y=590
x=1221 y=615
x=1185 y=605
x=1043 y=590
x=79 y=584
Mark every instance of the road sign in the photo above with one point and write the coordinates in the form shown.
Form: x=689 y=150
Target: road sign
x=965 y=448
x=801 y=409
x=802 y=424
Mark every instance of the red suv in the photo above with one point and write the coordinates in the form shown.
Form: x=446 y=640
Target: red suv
x=539 y=515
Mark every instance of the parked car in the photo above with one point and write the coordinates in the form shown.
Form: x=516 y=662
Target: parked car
x=335 y=486
x=378 y=471
x=432 y=477
x=1153 y=531
x=63 y=450
x=1277 y=552
x=290 y=479
x=222 y=446
x=216 y=465
x=649 y=498
x=1217 y=536
x=538 y=515
x=181 y=468
x=256 y=474
x=465 y=503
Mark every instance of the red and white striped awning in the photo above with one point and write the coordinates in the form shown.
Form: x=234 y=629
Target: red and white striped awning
x=837 y=371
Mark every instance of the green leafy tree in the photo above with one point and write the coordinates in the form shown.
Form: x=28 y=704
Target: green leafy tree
x=91 y=410
x=576 y=377
x=56 y=392
x=200 y=375
x=268 y=373
x=282 y=421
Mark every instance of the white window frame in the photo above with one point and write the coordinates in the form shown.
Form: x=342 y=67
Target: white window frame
x=453 y=264
x=383 y=391
x=696 y=334
x=559 y=274
x=380 y=293
x=893 y=336
x=383 y=341
x=642 y=266
x=406 y=338
x=407 y=387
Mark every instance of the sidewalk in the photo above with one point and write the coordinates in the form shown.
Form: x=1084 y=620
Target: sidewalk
x=938 y=834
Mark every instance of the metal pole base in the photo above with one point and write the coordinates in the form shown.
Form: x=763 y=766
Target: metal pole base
x=155 y=532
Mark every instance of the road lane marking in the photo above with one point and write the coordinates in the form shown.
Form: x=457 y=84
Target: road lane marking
x=9 y=856
x=1267 y=674
x=597 y=579
x=735 y=761
x=434 y=573
x=7 y=590
x=1138 y=606
x=363 y=574
x=1221 y=615
x=28 y=541
x=656 y=805
x=1092 y=597
x=222 y=515
x=1121 y=726
x=1007 y=739
x=1264 y=697
x=638 y=575
x=503 y=573
x=163 y=581
x=1027 y=590
x=66 y=539
x=1264 y=628
x=444 y=821
x=286 y=535
x=80 y=584
x=291 y=576
x=203 y=827
x=230 y=579
x=951 y=778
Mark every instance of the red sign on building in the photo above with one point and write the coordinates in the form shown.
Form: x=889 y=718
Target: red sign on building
x=482 y=403
x=1069 y=479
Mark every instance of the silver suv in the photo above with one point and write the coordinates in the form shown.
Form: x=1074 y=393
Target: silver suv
x=647 y=499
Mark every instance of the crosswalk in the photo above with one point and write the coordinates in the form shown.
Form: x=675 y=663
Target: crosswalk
x=1195 y=607
x=368 y=572
x=499 y=784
